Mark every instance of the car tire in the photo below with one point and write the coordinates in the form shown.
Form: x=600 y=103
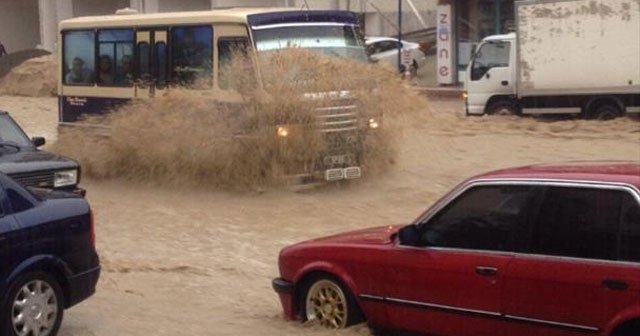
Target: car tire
x=630 y=328
x=604 y=112
x=326 y=301
x=36 y=296
x=503 y=108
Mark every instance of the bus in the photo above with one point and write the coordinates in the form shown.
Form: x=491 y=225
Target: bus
x=106 y=61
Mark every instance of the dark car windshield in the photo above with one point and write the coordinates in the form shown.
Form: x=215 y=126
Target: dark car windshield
x=332 y=39
x=11 y=133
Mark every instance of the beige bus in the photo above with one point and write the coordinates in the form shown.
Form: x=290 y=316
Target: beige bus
x=105 y=61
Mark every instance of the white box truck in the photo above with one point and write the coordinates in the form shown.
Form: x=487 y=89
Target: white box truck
x=566 y=56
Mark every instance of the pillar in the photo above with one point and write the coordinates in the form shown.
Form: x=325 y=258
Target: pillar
x=50 y=13
x=151 y=6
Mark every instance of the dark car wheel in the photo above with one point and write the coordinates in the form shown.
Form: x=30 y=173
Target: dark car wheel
x=329 y=303
x=34 y=306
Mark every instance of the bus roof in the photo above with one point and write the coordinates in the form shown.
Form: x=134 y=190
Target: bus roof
x=230 y=15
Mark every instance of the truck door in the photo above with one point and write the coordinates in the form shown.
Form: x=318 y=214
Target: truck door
x=152 y=54
x=491 y=73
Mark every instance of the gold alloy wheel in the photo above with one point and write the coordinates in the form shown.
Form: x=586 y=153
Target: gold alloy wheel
x=327 y=304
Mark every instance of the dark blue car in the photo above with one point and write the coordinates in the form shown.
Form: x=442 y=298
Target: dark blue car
x=48 y=260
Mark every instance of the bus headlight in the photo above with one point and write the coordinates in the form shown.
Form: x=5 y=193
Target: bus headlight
x=373 y=124
x=282 y=131
x=65 y=178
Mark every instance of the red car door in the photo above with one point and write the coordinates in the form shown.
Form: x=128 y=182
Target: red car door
x=450 y=283
x=570 y=282
x=446 y=291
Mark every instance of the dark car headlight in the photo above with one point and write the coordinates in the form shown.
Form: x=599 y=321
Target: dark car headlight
x=65 y=178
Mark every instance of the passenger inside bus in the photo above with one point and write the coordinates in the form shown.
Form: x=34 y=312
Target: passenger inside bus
x=189 y=52
x=79 y=74
x=125 y=71
x=105 y=70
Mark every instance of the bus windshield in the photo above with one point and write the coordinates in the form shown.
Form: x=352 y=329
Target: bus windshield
x=331 y=39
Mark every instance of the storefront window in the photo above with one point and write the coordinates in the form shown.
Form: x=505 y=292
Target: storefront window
x=477 y=19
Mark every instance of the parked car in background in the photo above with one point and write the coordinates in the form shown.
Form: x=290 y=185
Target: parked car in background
x=48 y=260
x=385 y=49
x=21 y=159
x=538 y=250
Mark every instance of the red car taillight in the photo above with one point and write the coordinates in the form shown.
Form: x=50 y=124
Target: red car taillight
x=92 y=231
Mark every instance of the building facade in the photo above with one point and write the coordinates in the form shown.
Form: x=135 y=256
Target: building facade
x=26 y=24
x=462 y=24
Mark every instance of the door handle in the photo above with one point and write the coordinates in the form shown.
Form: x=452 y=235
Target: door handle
x=505 y=83
x=486 y=271
x=614 y=284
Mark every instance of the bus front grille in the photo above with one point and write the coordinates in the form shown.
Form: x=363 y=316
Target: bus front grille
x=340 y=116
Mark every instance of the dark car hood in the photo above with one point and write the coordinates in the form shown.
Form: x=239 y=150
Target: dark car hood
x=28 y=160
x=372 y=236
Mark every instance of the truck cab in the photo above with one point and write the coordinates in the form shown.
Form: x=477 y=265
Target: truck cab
x=491 y=76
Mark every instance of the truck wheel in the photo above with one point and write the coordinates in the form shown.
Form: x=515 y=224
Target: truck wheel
x=502 y=107
x=34 y=306
x=604 y=112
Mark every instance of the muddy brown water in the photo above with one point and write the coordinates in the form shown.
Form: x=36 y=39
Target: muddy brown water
x=189 y=261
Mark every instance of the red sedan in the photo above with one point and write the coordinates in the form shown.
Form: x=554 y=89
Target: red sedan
x=538 y=250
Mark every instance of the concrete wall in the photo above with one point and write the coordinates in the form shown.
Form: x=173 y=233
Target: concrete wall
x=187 y=5
x=249 y=3
x=97 y=7
x=19 y=24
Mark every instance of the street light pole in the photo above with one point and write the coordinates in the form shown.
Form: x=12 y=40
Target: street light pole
x=399 y=34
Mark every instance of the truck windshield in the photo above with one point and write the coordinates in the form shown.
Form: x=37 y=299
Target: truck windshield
x=10 y=133
x=335 y=39
x=492 y=54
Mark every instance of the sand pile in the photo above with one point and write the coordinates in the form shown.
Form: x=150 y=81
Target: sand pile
x=187 y=137
x=8 y=62
x=35 y=77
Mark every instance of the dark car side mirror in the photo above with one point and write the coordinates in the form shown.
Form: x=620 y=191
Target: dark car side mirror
x=38 y=141
x=409 y=235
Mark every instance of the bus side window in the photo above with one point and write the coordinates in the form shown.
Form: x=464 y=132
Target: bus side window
x=115 y=60
x=144 y=69
x=161 y=63
x=79 y=57
x=235 y=69
x=191 y=52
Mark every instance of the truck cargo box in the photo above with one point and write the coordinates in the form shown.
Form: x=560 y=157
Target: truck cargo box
x=578 y=47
